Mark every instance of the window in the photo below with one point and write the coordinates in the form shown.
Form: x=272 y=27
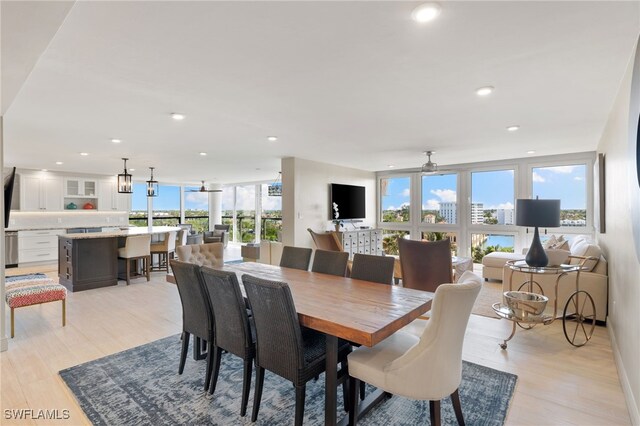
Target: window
x=438 y=236
x=196 y=209
x=395 y=199
x=228 y=203
x=492 y=198
x=271 y=220
x=166 y=206
x=439 y=199
x=390 y=240
x=567 y=183
x=138 y=214
x=483 y=244
x=246 y=213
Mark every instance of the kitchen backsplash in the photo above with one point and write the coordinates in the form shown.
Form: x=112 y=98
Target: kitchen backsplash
x=77 y=219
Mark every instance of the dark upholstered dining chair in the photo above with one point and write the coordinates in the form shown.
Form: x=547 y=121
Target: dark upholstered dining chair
x=330 y=262
x=284 y=347
x=232 y=327
x=377 y=269
x=197 y=317
x=425 y=264
x=296 y=257
x=326 y=240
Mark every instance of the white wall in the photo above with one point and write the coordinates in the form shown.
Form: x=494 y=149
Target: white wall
x=618 y=245
x=305 y=197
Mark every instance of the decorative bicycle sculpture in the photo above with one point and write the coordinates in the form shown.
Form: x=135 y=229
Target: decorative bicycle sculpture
x=526 y=308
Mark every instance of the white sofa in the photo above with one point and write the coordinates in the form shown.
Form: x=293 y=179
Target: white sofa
x=594 y=280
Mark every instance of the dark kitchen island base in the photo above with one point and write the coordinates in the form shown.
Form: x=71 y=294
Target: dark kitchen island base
x=85 y=264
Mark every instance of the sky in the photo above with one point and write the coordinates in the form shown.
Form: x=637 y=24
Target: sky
x=494 y=189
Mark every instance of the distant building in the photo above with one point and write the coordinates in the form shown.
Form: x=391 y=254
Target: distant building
x=448 y=212
x=505 y=216
x=429 y=218
x=477 y=213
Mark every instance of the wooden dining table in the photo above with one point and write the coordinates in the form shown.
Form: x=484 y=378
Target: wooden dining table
x=362 y=312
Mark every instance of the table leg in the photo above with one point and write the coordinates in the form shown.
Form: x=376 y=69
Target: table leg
x=513 y=332
x=331 y=381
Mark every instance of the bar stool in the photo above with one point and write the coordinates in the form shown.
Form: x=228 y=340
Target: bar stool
x=181 y=238
x=136 y=248
x=165 y=250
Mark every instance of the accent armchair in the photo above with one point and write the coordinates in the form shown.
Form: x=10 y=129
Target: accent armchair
x=220 y=234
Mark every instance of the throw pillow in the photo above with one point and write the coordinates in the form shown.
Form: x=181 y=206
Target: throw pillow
x=217 y=233
x=583 y=248
x=561 y=245
x=551 y=241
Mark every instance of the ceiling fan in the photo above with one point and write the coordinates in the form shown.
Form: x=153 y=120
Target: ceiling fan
x=203 y=189
x=431 y=168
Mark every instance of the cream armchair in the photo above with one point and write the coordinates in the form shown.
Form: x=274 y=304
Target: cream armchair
x=270 y=252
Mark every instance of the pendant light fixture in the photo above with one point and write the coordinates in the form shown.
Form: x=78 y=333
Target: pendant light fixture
x=152 y=186
x=125 y=184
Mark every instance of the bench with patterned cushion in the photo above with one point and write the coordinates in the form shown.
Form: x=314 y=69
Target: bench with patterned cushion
x=33 y=289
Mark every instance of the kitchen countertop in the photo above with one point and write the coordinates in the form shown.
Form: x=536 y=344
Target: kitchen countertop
x=141 y=230
x=61 y=226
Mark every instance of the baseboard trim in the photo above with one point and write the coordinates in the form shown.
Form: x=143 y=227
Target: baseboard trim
x=632 y=407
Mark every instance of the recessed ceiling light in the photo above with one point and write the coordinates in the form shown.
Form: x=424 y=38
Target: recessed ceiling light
x=426 y=12
x=391 y=166
x=272 y=138
x=59 y=163
x=84 y=154
x=531 y=152
x=45 y=170
x=132 y=170
x=513 y=128
x=177 y=116
x=203 y=153
x=116 y=140
x=484 y=91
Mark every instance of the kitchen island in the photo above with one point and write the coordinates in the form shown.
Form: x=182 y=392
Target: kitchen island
x=88 y=261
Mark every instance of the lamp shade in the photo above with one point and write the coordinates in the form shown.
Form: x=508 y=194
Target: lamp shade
x=542 y=213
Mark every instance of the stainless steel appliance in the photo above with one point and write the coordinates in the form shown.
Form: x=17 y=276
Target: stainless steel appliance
x=11 y=249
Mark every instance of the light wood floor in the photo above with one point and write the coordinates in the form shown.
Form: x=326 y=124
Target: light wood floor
x=557 y=383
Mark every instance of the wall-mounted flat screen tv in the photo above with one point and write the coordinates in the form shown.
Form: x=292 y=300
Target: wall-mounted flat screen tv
x=350 y=200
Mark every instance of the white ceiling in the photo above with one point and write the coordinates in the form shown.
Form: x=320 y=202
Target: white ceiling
x=351 y=83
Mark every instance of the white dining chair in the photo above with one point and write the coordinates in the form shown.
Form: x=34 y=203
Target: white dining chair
x=425 y=366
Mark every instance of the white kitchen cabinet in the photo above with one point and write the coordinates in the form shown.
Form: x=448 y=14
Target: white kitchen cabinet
x=40 y=193
x=38 y=245
x=80 y=187
x=110 y=199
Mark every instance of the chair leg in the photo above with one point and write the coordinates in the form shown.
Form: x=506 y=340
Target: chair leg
x=353 y=400
x=183 y=353
x=434 y=412
x=64 y=312
x=300 y=395
x=207 y=377
x=257 y=394
x=246 y=385
x=146 y=262
x=216 y=353
x=128 y=269
x=362 y=389
x=12 y=323
x=455 y=399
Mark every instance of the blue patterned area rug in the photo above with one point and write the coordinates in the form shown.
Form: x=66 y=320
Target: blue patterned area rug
x=141 y=386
